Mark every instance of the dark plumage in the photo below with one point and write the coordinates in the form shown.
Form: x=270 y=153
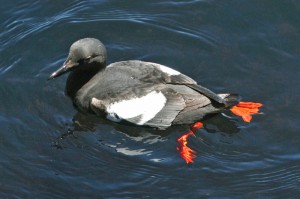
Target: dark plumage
x=138 y=92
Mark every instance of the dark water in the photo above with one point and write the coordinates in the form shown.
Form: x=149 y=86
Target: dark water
x=48 y=150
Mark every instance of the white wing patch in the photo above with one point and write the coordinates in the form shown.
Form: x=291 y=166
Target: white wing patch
x=145 y=107
x=166 y=69
x=223 y=96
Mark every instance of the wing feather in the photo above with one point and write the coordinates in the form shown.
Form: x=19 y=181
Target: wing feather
x=175 y=103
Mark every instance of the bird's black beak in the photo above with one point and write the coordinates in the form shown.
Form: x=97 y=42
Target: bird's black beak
x=67 y=66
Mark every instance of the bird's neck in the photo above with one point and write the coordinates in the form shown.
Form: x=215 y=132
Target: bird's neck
x=78 y=78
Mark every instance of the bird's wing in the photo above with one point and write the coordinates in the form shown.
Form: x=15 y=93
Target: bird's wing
x=156 y=108
x=157 y=73
x=174 y=105
x=148 y=71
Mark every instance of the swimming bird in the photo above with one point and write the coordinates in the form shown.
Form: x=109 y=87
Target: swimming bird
x=137 y=92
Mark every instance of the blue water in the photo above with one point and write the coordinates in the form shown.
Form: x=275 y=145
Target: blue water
x=49 y=150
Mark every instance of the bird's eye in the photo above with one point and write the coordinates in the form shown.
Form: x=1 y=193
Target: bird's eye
x=84 y=60
x=88 y=58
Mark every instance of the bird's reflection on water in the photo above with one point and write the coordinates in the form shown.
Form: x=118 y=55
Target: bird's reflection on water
x=216 y=129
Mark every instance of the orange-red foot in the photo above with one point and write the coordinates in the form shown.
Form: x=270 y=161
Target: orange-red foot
x=242 y=109
x=186 y=152
x=246 y=110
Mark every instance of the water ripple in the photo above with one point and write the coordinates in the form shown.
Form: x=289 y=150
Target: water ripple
x=274 y=180
x=180 y=3
x=161 y=21
x=23 y=25
x=18 y=27
x=115 y=15
x=5 y=69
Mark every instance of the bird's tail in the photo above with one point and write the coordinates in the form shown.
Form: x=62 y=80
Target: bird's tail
x=230 y=99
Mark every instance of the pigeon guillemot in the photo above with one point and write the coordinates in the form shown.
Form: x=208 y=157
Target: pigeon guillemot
x=139 y=92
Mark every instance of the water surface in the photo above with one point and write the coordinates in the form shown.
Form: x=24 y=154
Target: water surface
x=49 y=150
